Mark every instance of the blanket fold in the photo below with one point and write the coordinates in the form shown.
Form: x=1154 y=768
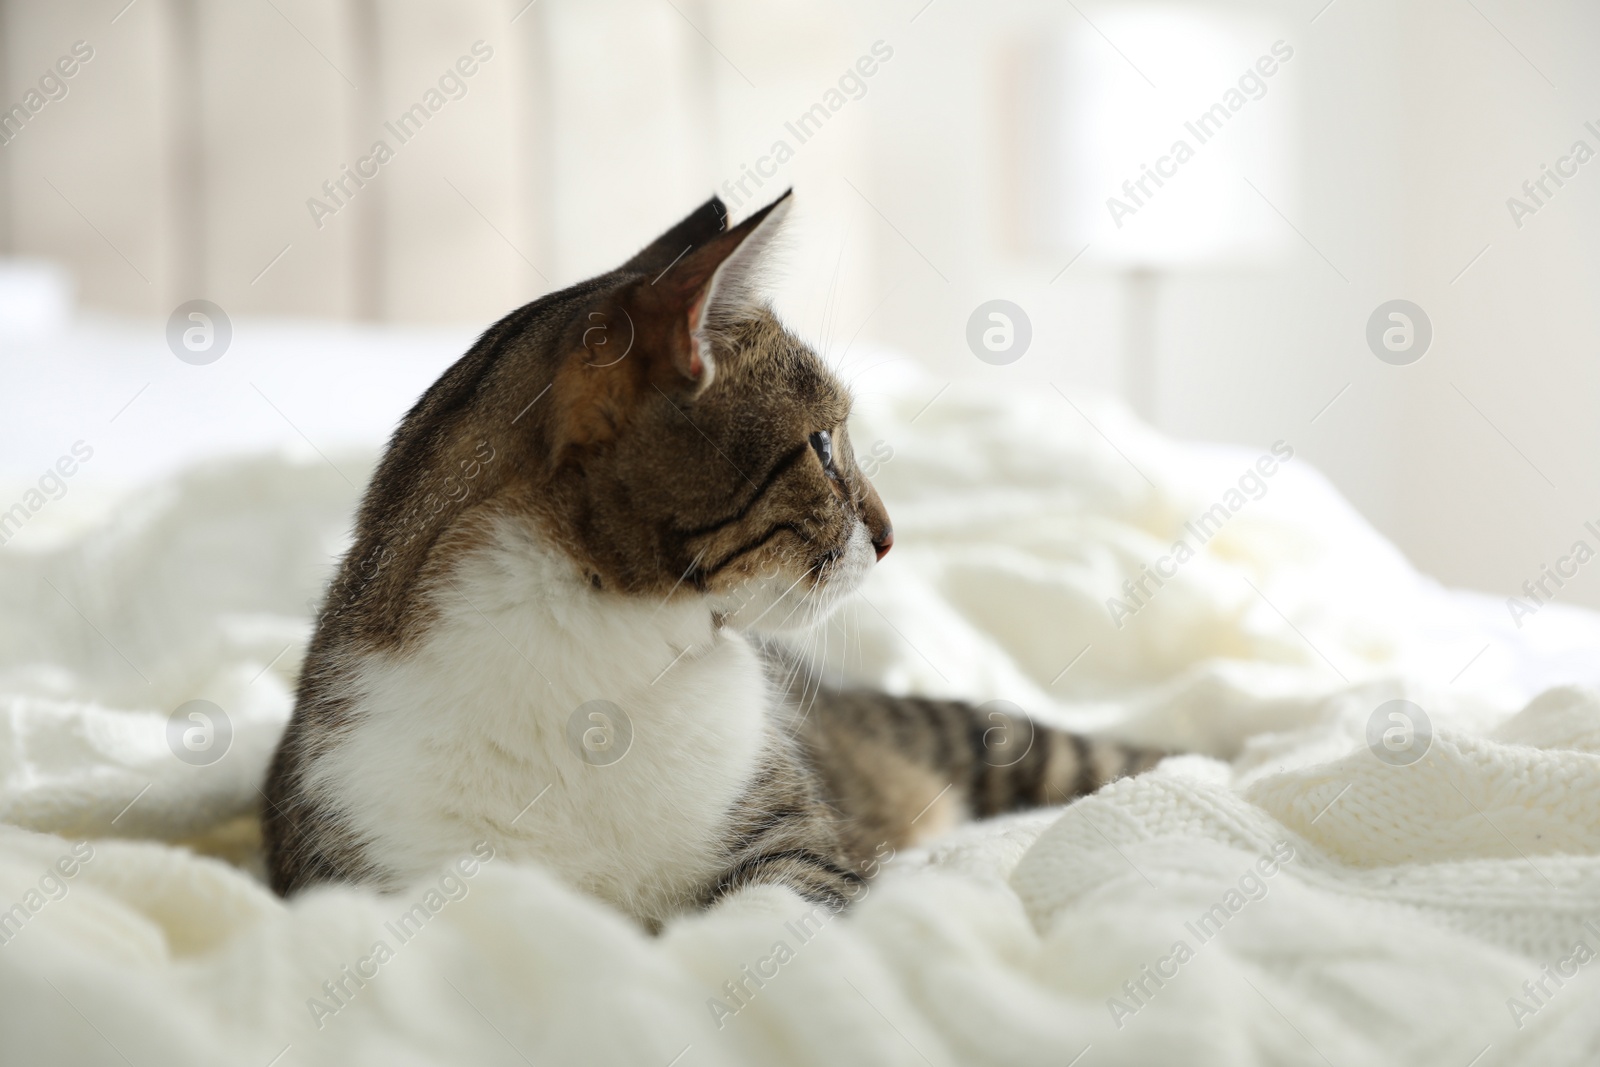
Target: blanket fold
x=1319 y=882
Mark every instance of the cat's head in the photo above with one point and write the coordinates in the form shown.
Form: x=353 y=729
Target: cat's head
x=663 y=428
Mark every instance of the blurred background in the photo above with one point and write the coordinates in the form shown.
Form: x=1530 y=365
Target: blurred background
x=1336 y=156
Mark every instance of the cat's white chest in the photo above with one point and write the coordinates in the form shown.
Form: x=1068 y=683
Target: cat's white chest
x=602 y=737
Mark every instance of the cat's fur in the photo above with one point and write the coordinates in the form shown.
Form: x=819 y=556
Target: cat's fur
x=606 y=500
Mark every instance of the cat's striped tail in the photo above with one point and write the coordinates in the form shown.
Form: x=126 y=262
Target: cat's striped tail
x=899 y=767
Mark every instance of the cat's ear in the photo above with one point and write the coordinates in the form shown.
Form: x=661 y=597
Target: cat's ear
x=707 y=287
x=655 y=330
x=702 y=224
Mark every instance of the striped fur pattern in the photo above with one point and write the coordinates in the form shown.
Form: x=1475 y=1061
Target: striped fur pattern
x=870 y=774
x=901 y=769
x=554 y=628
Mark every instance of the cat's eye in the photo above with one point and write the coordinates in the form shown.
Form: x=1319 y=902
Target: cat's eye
x=822 y=444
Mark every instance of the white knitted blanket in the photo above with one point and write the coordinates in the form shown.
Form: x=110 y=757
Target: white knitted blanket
x=1322 y=883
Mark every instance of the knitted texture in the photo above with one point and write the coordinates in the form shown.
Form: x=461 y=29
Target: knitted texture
x=1290 y=894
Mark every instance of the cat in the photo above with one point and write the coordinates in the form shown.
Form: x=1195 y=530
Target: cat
x=559 y=626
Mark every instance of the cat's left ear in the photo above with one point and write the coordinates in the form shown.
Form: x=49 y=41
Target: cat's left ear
x=709 y=287
x=701 y=225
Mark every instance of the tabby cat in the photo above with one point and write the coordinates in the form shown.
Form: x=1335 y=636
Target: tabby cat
x=554 y=630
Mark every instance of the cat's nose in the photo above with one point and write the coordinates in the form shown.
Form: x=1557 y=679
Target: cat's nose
x=876 y=517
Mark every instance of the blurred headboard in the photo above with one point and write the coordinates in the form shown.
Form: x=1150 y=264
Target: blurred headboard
x=347 y=158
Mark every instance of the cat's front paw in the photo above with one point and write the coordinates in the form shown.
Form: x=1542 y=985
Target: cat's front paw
x=763 y=901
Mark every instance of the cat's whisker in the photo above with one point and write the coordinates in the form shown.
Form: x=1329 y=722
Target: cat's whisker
x=796 y=665
x=855 y=612
x=690 y=570
x=830 y=306
x=857 y=376
x=806 y=700
x=779 y=600
x=819 y=635
x=799 y=606
x=881 y=301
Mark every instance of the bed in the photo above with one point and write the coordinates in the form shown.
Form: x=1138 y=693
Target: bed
x=1314 y=881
